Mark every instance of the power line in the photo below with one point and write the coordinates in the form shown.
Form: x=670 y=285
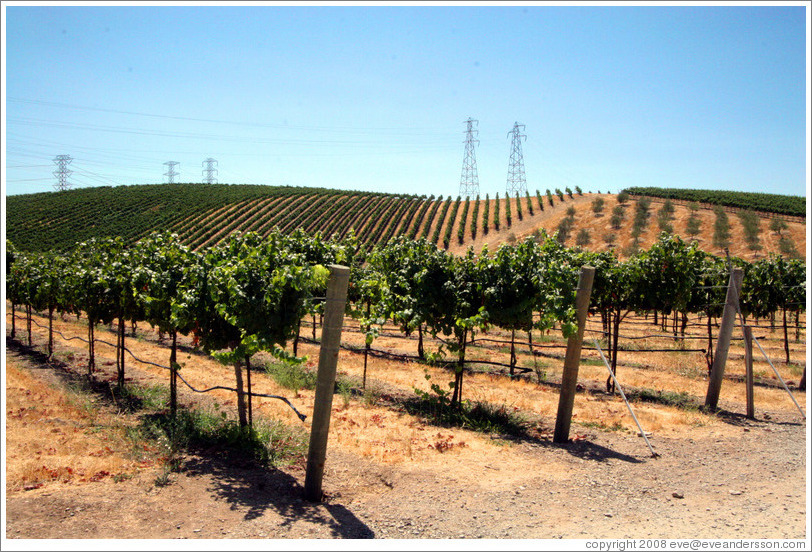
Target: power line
x=338 y=129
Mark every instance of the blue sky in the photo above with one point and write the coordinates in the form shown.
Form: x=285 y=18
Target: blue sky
x=375 y=97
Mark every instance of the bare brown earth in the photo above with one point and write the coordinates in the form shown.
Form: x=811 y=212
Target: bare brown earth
x=599 y=227
x=393 y=475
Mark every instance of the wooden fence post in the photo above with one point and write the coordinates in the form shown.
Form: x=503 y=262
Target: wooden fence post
x=325 y=379
x=723 y=341
x=572 y=360
x=748 y=361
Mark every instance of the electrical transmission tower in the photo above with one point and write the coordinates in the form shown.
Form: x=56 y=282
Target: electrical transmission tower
x=516 y=181
x=209 y=171
x=62 y=172
x=170 y=173
x=469 y=180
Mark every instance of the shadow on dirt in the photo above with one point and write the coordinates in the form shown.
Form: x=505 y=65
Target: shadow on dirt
x=762 y=420
x=587 y=450
x=245 y=485
x=503 y=423
x=242 y=483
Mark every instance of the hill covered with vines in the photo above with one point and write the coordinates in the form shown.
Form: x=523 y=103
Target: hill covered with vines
x=203 y=215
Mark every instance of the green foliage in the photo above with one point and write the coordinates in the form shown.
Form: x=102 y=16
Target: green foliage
x=563 y=230
x=618 y=215
x=496 y=212
x=664 y=217
x=751 y=224
x=449 y=227
x=597 y=206
x=772 y=203
x=249 y=293
x=486 y=208
x=200 y=214
x=582 y=238
x=441 y=219
x=291 y=376
x=518 y=206
x=787 y=247
x=693 y=224
x=430 y=217
x=721 y=229
x=269 y=443
x=777 y=224
x=475 y=218
x=641 y=216
x=436 y=406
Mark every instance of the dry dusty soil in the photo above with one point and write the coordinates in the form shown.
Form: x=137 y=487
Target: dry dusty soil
x=737 y=478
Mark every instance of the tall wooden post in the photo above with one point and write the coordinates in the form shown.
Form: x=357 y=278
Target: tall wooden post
x=723 y=342
x=325 y=379
x=572 y=360
x=748 y=362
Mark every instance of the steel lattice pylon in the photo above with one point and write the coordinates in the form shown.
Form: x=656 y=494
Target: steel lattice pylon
x=209 y=171
x=62 y=172
x=171 y=173
x=469 y=180
x=516 y=181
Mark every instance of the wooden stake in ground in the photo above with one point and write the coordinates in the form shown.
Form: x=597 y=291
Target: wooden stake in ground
x=723 y=341
x=572 y=360
x=325 y=379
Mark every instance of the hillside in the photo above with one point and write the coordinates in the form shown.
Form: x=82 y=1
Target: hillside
x=204 y=214
x=600 y=229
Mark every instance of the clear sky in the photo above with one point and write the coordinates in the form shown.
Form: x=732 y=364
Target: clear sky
x=375 y=98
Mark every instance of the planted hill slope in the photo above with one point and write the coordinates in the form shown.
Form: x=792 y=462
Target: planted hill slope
x=203 y=214
x=772 y=203
x=601 y=234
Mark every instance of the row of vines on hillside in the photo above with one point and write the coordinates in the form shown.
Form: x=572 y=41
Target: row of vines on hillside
x=203 y=215
x=771 y=203
x=250 y=293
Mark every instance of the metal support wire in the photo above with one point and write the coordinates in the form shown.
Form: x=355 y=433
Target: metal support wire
x=741 y=321
x=780 y=379
x=622 y=394
x=301 y=416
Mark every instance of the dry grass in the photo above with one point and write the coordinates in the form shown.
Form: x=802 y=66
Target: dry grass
x=58 y=436
x=599 y=227
x=391 y=436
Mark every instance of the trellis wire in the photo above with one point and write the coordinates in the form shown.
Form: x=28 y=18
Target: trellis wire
x=301 y=416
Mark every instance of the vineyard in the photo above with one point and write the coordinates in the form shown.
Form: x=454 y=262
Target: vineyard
x=203 y=215
x=249 y=294
x=468 y=345
x=458 y=318
x=774 y=203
